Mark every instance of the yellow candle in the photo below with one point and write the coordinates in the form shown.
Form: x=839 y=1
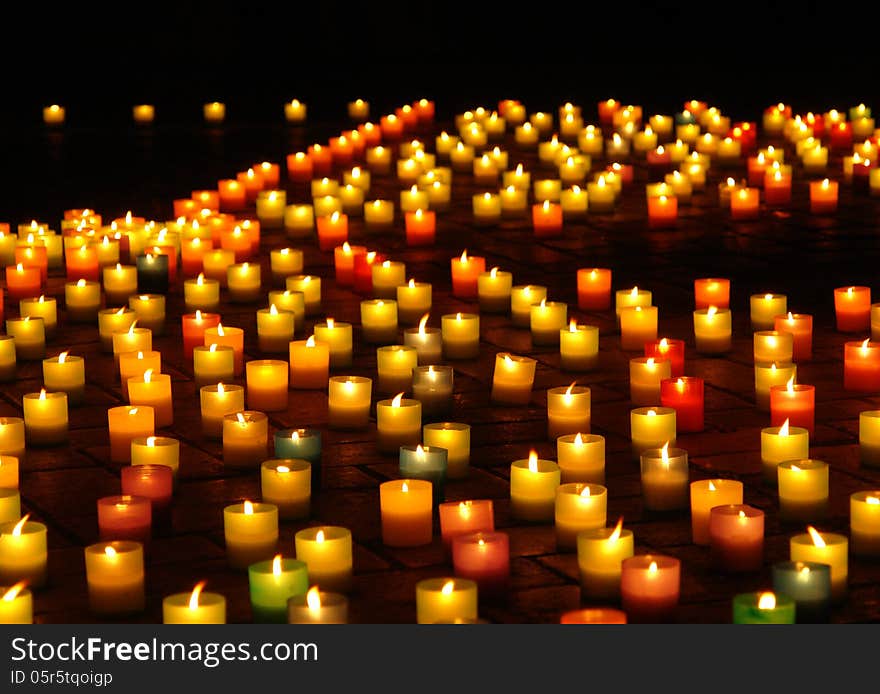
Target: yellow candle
x=295 y=111
x=578 y=347
x=712 y=330
x=16 y=604
x=769 y=375
x=486 y=208
x=568 y=411
x=651 y=427
x=213 y=364
x=45 y=418
x=197 y=607
x=133 y=364
x=7 y=358
x=533 y=485
x=338 y=337
x=803 y=489
x=414 y=299
x=29 y=335
x=456 y=439
x=115 y=577
x=214 y=112
x=461 y=335
x=513 y=379
x=406 y=507
x=601 y=195
x=231 y=337
x=251 y=533
x=310 y=286
x=772 y=346
x=864 y=523
x=824 y=548
x=287 y=484
x=348 y=405
x=120 y=282
x=294 y=302
x=274 y=329
x=201 y=293
x=299 y=220
x=217 y=401
x=494 y=288
x=514 y=200
x=398 y=423
x=8 y=472
x=156 y=450
x=579 y=507
x=153 y=390
x=245 y=438
x=645 y=375
x=546 y=319
x=600 y=556
x=270 y=207
x=379 y=214
x=243 y=281
x=387 y=277
x=625 y=298
x=132 y=340
x=149 y=311
x=67 y=374
x=765 y=308
x=53 y=115
x=869 y=438
x=705 y=495
x=47 y=309
x=23 y=552
x=445 y=600
x=581 y=458
x=327 y=552
x=547 y=190
x=782 y=443
x=267 y=381
x=522 y=298
x=12 y=437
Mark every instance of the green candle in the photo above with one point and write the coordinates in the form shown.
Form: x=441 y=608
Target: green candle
x=272 y=583
x=763 y=608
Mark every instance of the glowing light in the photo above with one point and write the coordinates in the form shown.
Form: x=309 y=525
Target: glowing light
x=784 y=429
x=817 y=538
x=533 y=461
x=767 y=601
x=395 y=401
x=313 y=599
x=448 y=588
x=194 y=598
x=13 y=592
x=248 y=508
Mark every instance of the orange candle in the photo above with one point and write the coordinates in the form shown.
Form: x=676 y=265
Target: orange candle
x=662 y=211
x=299 y=167
x=547 y=219
x=465 y=275
x=231 y=337
x=823 y=197
x=22 y=282
x=309 y=364
x=852 y=308
x=233 y=194
x=421 y=227
x=711 y=291
x=745 y=203
x=153 y=390
x=82 y=264
x=192 y=255
x=332 y=231
x=594 y=289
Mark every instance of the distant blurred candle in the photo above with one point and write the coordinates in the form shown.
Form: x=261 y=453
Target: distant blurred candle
x=214 y=112
x=823 y=197
x=22 y=281
x=53 y=115
x=711 y=291
x=803 y=490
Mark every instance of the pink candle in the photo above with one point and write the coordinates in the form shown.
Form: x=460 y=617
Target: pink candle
x=465 y=517
x=153 y=482
x=594 y=289
x=861 y=366
x=344 y=259
x=125 y=518
x=796 y=403
x=662 y=211
x=711 y=291
x=194 y=326
x=852 y=308
x=82 y=263
x=332 y=231
x=667 y=348
x=649 y=587
x=685 y=395
x=547 y=219
x=800 y=325
x=736 y=537
x=465 y=273
x=483 y=557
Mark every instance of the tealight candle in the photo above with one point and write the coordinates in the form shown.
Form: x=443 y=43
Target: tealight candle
x=650 y=585
x=406 y=508
x=338 y=338
x=132 y=340
x=458 y=518
x=45 y=418
x=23 y=552
x=533 y=485
x=251 y=533
x=626 y=298
x=243 y=281
x=310 y=286
x=861 y=366
x=664 y=477
x=711 y=291
x=125 y=518
x=348 y=405
x=29 y=255
x=465 y=275
x=546 y=319
x=568 y=410
x=769 y=375
x=267 y=381
x=800 y=326
x=398 y=423
x=327 y=552
x=456 y=439
x=763 y=608
x=153 y=270
x=578 y=507
x=10 y=498
x=153 y=390
x=705 y=495
x=16 y=604
x=771 y=346
x=29 y=335
x=522 y=298
x=824 y=548
x=461 y=335
x=803 y=489
x=201 y=293
x=445 y=600
x=379 y=321
x=808 y=584
x=217 y=401
x=229 y=337
x=197 y=607
x=132 y=364
x=299 y=220
x=286 y=483
x=712 y=330
x=823 y=195
x=115 y=577
x=795 y=403
x=864 y=523
x=151 y=452
x=483 y=557
x=736 y=537
x=645 y=377
x=65 y=373
x=12 y=437
x=594 y=289
x=46 y=309
x=782 y=443
x=651 y=428
x=285 y=262
x=317 y=607
x=513 y=379
x=271 y=206
x=765 y=308
x=274 y=329
x=214 y=112
x=494 y=288
x=332 y=230
x=53 y=115
x=852 y=307
x=8 y=472
x=425 y=463
x=669 y=349
x=245 y=437
x=600 y=553
x=579 y=347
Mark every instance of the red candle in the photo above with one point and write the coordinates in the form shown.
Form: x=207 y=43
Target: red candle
x=649 y=587
x=34 y=256
x=322 y=160
x=192 y=255
x=861 y=366
x=252 y=228
x=823 y=196
x=344 y=257
x=332 y=231
x=777 y=187
x=607 y=109
x=685 y=395
x=667 y=348
x=800 y=326
x=861 y=175
x=736 y=537
x=424 y=110
x=547 y=219
x=153 y=482
x=659 y=160
x=408 y=115
x=594 y=615
x=421 y=227
x=271 y=173
x=841 y=136
x=465 y=517
x=662 y=211
x=299 y=167
x=342 y=150
x=194 y=326
x=711 y=291
x=125 y=517
x=82 y=264
x=392 y=127
x=796 y=403
x=594 y=289
x=252 y=182
x=745 y=203
x=22 y=282
x=238 y=241
x=233 y=195
x=371 y=133
x=625 y=171
x=363 y=271
x=465 y=273
x=852 y=308
x=483 y=557
x=757 y=166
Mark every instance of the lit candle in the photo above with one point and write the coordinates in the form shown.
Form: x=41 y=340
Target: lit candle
x=626 y=298
x=132 y=364
x=601 y=552
x=120 y=282
x=522 y=298
x=685 y=396
x=29 y=335
x=197 y=607
x=125 y=424
x=771 y=346
x=12 y=437
x=271 y=206
x=795 y=403
x=808 y=584
x=228 y=336
x=645 y=376
x=23 y=552
x=8 y=472
x=465 y=275
x=338 y=338
x=769 y=375
x=445 y=600
x=578 y=507
x=823 y=196
x=193 y=326
x=53 y=115
x=782 y=443
x=711 y=291
x=10 y=498
x=243 y=281
x=245 y=437
x=594 y=615
x=201 y=294
x=379 y=215
x=765 y=308
x=513 y=379
x=651 y=428
x=327 y=551
x=115 y=577
x=45 y=309
x=299 y=220
x=533 y=485
x=125 y=518
x=861 y=366
x=214 y=112
x=669 y=349
x=650 y=585
x=824 y=548
x=483 y=557
x=461 y=335
x=152 y=273
x=458 y=518
x=579 y=347
x=153 y=390
x=406 y=508
x=274 y=329
x=348 y=405
x=705 y=495
x=864 y=523
x=456 y=439
x=763 y=608
x=45 y=418
x=594 y=289
x=217 y=401
x=712 y=330
x=869 y=438
x=736 y=537
x=286 y=483
x=216 y=264
x=272 y=583
x=155 y=451
x=852 y=307
x=547 y=219
x=16 y=604
x=132 y=340
x=395 y=364
x=493 y=289
x=67 y=374
x=267 y=384
x=398 y=423
x=664 y=477
x=251 y=532
x=803 y=489
x=7 y=357
x=317 y=607
x=800 y=326
x=546 y=320
x=568 y=410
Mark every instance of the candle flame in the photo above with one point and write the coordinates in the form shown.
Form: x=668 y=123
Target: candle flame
x=62 y=357
x=634 y=293
x=615 y=534
x=200 y=280
x=276 y=566
x=872 y=500
x=664 y=452
x=464 y=508
x=768 y=297
x=448 y=587
x=132 y=327
x=816 y=536
x=148 y=376
x=13 y=592
x=569 y=389
x=651 y=413
x=282 y=469
x=110 y=552
x=712 y=487
x=395 y=401
x=464 y=256
x=458 y=316
x=767 y=601
x=273 y=310
x=864 y=346
x=213 y=347
x=533 y=461
x=42 y=393
x=578 y=440
x=313 y=599
x=680 y=384
x=16 y=530
x=240 y=417
x=248 y=508
x=784 y=429
x=790 y=385
x=585 y=492
x=652 y=568
x=330 y=323
x=133 y=411
x=220 y=331
x=572 y=325
x=849 y=292
x=194 y=598
x=650 y=362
